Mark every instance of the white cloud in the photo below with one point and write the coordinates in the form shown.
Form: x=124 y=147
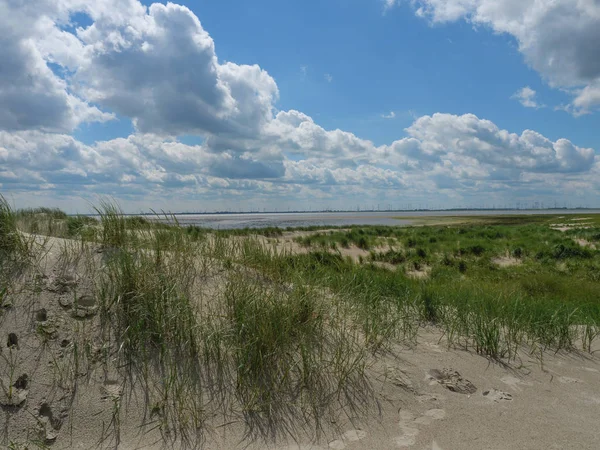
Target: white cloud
x=391 y=115
x=560 y=38
x=482 y=141
x=160 y=68
x=587 y=98
x=328 y=77
x=443 y=152
x=157 y=66
x=388 y=4
x=31 y=95
x=526 y=96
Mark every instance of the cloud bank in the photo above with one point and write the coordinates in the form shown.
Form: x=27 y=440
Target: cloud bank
x=159 y=67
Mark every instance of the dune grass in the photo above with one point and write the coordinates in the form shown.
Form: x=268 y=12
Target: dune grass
x=547 y=299
x=224 y=321
x=276 y=355
x=16 y=249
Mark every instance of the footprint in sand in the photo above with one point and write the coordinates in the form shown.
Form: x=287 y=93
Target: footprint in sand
x=111 y=389
x=425 y=398
x=451 y=380
x=12 y=341
x=410 y=422
x=429 y=416
x=50 y=423
x=41 y=315
x=496 y=395
x=569 y=380
x=14 y=394
x=300 y=447
x=433 y=347
x=590 y=399
x=348 y=436
x=85 y=307
x=515 y=383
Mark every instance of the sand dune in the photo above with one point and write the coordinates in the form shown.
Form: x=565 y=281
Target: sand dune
x=426 y=396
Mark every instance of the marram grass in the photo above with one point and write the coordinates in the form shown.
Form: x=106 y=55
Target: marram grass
x=227 y=321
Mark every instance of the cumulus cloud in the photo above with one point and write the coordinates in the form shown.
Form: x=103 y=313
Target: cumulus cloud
x=388 y=4
x=586 y=99
x=296 y=133
x=526 y=96
x=158 y=67
x=441 y=152
x=560 y=39
x=31 y=94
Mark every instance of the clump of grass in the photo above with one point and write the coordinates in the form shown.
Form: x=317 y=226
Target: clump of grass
x=429 y=311
x=115 y=231
x=10 y=241
x=278 y=356
x=562 y=251
x=293 y=358
x=363 y=238
x=266 y=231
x=46 y=221
x=390 y=256
x=197 y=233
x=146 y=302
x=15 y=248
x=363 y=243
x=82 y=226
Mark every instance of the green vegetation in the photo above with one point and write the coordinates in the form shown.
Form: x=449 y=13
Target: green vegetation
x=511 y=284
x=361 y=237
x=238 y=322
x=15 y=248
x=269 y=351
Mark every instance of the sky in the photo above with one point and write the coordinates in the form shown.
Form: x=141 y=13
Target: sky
x=268 y=105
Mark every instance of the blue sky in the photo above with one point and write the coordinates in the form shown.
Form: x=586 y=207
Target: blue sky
x=382 y=62
x=232 y=104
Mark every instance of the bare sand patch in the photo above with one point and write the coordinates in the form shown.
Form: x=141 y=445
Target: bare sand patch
x=585 y=243
x=420 y=274
x=570 y=226
x=385 y=265
x=506 y=261
x=299 y=234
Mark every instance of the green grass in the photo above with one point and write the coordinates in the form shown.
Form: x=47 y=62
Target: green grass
x=224 y=321
x=548 y=301
x=15 y=248
x=278 y=356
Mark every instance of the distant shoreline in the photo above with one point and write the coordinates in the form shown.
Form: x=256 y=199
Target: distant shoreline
x=344 y=211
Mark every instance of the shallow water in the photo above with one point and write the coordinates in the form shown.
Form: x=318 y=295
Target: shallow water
x=284 y=220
